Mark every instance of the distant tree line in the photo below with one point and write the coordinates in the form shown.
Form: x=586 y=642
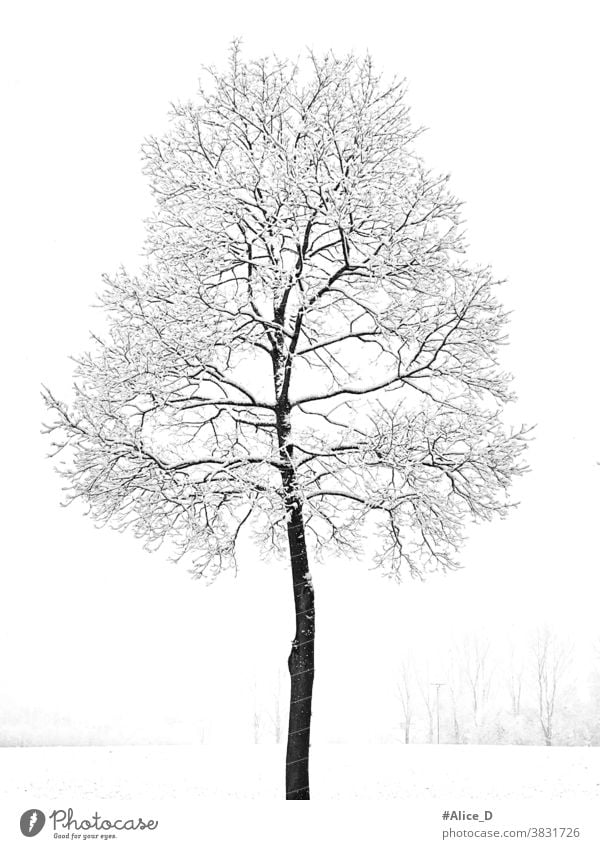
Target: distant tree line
x=537 y=693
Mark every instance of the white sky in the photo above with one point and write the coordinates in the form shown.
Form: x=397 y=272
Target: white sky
x=91 y=627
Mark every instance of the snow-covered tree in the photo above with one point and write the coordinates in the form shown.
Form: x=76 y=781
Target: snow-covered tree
x=551 y=658
x=428 y=698
x=307 y=355
x=405 y=693
x=455 y=681
x=514 y=679
x=478 y=674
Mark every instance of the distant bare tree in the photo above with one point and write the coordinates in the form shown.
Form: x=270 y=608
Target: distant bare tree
x=478 y=673
x=595 y=669
x=453 y=677
x=275 y=714
x=405 y=691
x=551 y=659
x=428 y=697
x=593 y=712
x=308 y=353
x=515 y=675
x=255 y=718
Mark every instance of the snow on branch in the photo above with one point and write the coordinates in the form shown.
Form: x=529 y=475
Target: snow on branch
x=307 y=330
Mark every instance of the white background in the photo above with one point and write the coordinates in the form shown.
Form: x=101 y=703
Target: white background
x=99 y=633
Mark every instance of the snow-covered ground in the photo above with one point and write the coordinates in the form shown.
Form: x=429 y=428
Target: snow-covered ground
x=338 y=772
x=225 y=798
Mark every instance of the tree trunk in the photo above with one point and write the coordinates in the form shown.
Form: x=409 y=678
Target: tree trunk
x=456 y=730
x=301 y=661
x=430 y=733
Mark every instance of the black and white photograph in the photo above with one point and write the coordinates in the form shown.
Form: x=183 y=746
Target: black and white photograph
x=301 y=425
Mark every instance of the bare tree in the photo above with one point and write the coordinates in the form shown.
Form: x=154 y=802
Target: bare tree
x=255 y=718
x=453 y=677
x=595 y=670
x=428 y=697
x=515 y=675
x=593 y=724
x=275 y=715
x=551 y=661
x=405 y=690
x=307 y=352
x=478 y=674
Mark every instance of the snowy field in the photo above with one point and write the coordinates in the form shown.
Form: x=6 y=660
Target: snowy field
x=369 y=773
x=208 y=795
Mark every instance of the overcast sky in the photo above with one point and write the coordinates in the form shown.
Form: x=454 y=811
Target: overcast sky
x=94 y=629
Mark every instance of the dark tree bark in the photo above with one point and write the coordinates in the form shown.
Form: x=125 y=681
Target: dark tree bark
x=300 y=663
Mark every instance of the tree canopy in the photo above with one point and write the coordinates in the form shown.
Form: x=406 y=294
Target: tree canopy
x=307 y=329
